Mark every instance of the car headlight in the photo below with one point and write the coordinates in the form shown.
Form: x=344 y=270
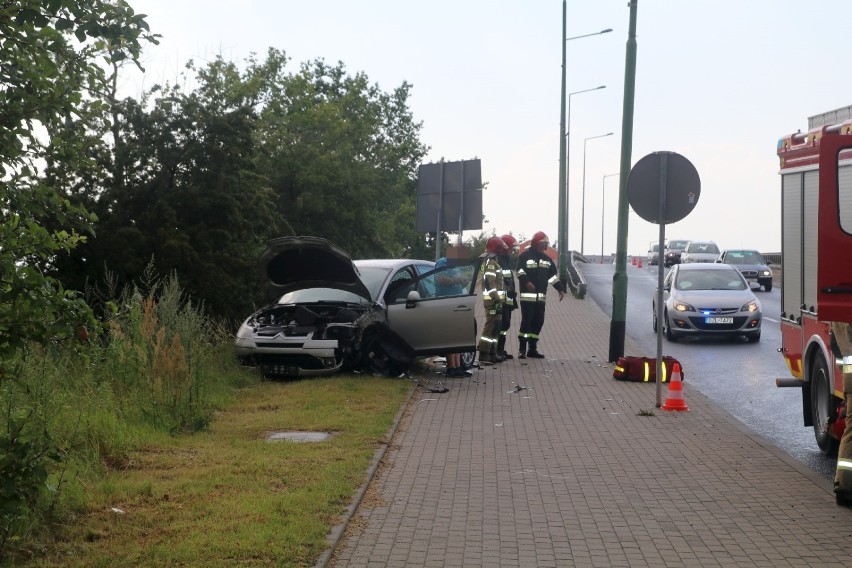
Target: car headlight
x=244 y=331
x=683 y=307
x=766 y=273
x=750 y=307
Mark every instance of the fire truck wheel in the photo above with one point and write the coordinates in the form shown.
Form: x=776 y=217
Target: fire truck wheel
x=823 y=406
x=843 y=499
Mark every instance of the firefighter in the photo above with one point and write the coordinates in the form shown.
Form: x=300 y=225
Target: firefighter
x=842 y=334
x=535 y=271
x=493 y=298
x=505 y=259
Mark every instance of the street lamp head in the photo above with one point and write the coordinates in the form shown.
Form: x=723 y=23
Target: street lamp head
x=606 y=31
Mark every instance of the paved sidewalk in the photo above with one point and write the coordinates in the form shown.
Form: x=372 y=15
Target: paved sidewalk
x=553 y=463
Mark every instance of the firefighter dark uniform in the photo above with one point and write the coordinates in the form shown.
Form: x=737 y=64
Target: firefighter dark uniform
x=511 y=294
x=842 y=333
x=536 y=271
x=493 y=298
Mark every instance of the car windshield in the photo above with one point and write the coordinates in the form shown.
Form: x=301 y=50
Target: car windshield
x=727 y=279
x=677 y=245
x=373 y=277
x=311 y=295
x=744 y=257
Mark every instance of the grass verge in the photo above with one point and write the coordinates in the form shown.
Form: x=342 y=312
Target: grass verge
x=228 y=496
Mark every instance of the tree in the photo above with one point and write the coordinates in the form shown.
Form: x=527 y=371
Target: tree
x=341 y=155
x=52 y=54
x=204 y=179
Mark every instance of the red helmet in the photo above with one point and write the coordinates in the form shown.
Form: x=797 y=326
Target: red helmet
x=495 y=245
x=510 y=241
x=539 y=237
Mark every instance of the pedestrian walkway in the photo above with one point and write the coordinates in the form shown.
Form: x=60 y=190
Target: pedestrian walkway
x=551 y=462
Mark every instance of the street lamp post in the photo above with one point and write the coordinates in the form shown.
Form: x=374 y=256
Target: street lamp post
x=563 y=165
x=583 y=201
x=603 y=210
x=568 y=159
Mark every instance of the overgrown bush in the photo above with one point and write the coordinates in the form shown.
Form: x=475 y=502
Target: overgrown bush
x=75 y=409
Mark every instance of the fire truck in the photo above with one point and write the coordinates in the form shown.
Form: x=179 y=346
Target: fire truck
x=816 y=266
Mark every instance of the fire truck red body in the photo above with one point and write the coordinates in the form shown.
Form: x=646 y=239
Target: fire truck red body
x=816 y=266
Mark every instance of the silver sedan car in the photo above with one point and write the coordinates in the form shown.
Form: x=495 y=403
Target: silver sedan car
x=707 y=300
x=332 y=313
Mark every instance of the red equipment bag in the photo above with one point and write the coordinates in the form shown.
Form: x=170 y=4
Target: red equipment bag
x=643 y=369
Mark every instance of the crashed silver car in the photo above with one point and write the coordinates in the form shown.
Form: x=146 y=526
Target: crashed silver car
x=334 y=313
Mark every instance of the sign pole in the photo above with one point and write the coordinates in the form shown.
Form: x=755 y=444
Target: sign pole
x=663 y=215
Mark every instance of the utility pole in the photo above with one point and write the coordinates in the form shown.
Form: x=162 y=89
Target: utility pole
x=619 y=280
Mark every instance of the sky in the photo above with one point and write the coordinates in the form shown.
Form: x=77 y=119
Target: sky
x=716 y=82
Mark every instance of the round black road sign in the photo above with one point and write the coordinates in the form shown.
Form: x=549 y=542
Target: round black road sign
x=663 y=181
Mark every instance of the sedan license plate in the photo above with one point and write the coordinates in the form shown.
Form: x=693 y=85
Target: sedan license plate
x=717 y=320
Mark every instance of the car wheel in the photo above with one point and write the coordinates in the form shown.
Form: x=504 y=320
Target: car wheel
x=654 y=318
x=823 y=406
x=667 y=328
x=767 y=285
x=373 y=358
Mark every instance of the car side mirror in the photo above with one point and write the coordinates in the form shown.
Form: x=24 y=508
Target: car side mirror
x=412 y=299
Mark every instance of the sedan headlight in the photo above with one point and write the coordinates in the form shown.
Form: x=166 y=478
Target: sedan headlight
x=766 y=273
x=245 y=331
x=751 y=307
x=683 y=307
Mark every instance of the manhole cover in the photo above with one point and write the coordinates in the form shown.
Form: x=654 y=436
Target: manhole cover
x=298 y=436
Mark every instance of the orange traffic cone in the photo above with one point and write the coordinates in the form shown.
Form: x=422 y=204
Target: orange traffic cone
x=674 y=400
x=633 y=260
x=639 y=264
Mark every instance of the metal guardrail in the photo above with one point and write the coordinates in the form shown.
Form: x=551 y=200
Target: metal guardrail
x=576 y=282
x=773 y=257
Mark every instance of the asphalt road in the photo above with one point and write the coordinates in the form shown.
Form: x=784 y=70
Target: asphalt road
x=737 y=375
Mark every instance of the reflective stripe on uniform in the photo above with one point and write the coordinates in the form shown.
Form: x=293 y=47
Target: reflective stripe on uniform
x=521 y=272
x=553 y=279
x=506 y=272
x=845 y=464
x=489 y=273
x=533 y=297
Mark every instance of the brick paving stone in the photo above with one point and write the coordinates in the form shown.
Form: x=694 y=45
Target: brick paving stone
x=566 y=472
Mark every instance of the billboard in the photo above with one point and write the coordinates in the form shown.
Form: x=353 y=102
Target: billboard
x=449 y=197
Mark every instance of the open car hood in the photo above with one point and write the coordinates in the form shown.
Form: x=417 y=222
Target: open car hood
x=296 y=263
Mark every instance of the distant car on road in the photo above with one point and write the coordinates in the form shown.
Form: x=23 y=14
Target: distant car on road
x=654 y=254
x=699 y=251
x=709 y=300
x=673 y=251
x=751 y=264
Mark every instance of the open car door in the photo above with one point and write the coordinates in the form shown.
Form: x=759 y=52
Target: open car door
x=435 y=313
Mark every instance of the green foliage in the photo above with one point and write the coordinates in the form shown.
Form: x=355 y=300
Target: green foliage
x=201 y=180
x=160 y=365
x=51 y=56
x=23 y=473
